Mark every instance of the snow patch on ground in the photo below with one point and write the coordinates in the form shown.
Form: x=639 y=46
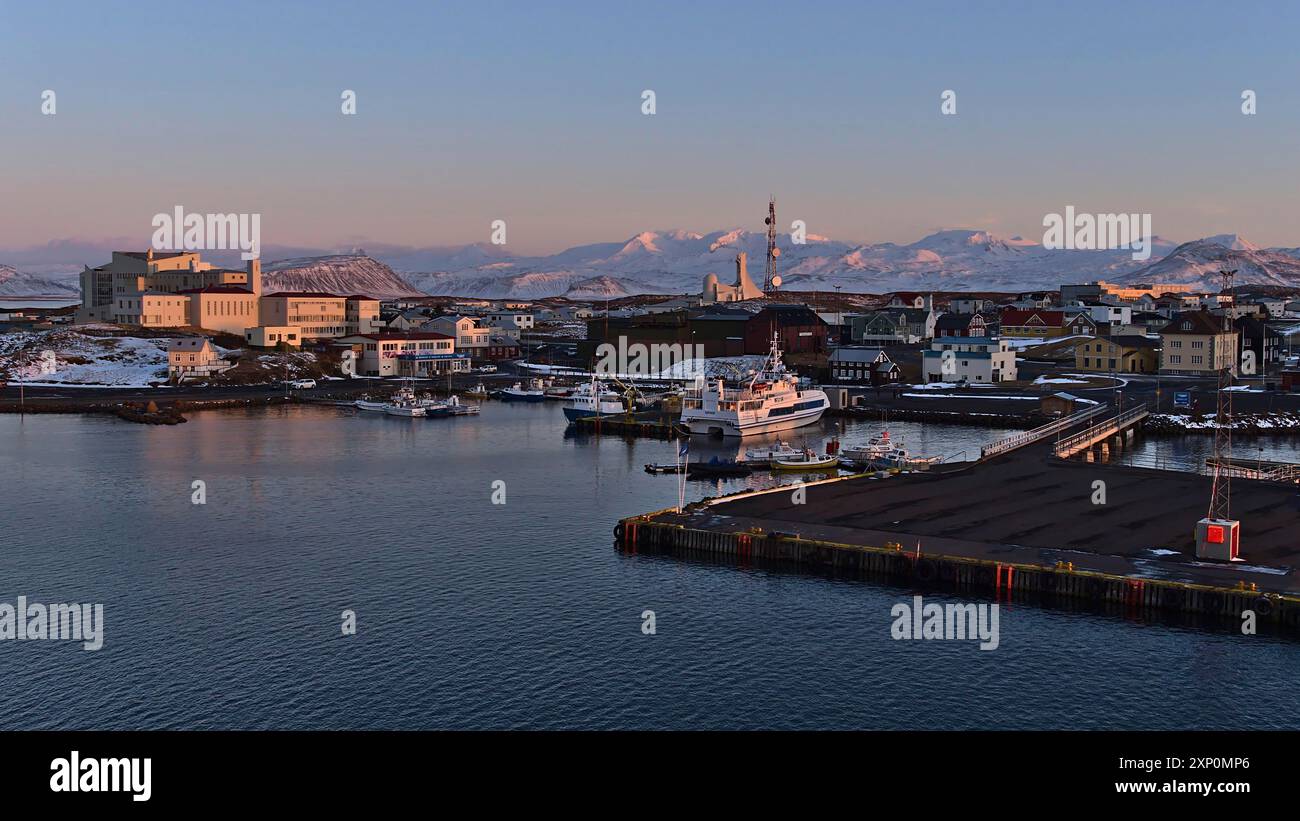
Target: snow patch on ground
x=84 y=360
x=1042 y=380
x=960 y=396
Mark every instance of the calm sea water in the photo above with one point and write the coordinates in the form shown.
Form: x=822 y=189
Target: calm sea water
x=475 y=615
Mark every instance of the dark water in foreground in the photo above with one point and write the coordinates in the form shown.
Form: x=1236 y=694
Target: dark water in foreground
x=474 y=615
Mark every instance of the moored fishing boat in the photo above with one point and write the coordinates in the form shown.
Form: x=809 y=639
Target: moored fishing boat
x=764 y=455
x=518 y=393
x=592 y=399
x=772 y=400
x=806 y=460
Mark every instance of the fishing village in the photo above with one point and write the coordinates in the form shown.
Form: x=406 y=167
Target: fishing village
x=1052 y=510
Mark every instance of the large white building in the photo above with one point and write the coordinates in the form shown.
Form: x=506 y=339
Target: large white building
x=971 y=359
x=418 y=354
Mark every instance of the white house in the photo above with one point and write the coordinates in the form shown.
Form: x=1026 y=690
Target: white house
x=470 y=336
x=972 y=359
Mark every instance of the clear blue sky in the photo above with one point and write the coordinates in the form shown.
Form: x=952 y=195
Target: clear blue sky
x=530 y=112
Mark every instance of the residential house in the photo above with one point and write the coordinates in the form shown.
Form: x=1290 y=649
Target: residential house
x=972 y=359
x=1194 y=342
x=1265 y=342
x=471 y=337
x=959 y=325
x=1031 y=323
x=894 y=326
x=500 y=348
x=1118 y=354
x=193 y=357
x=509 y=323
x=863 y=366
x=907 y=299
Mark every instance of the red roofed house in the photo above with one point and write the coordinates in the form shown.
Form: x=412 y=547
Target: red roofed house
x=1032 y=322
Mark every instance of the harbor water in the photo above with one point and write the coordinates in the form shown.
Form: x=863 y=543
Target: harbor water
x=477 y=556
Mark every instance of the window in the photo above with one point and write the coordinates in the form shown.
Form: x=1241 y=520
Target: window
x=1198 y=344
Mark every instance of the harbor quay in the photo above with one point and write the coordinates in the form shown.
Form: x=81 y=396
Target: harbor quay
x=1024 y=524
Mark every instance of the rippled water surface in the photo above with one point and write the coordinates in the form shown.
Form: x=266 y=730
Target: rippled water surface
x=475 y=615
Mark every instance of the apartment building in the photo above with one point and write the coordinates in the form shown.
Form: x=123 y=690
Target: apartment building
x=1194 y=342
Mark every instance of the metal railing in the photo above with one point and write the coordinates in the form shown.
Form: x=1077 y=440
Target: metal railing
x=1019 y=440
x=1095 y=433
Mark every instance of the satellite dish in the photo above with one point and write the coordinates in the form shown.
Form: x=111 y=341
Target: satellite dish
x=776 y=281
x=767 y=220
x=776 y=252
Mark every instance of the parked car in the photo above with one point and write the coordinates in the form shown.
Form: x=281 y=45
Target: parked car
x=301 y=384
x=487 y=369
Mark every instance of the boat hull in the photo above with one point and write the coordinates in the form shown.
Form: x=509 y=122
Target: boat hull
x=727 y=427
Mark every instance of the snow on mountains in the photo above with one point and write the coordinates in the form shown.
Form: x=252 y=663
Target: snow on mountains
x=661 y=262
x=17 y=283
x=343 y=274
x=1200 y=261
x=676 y=262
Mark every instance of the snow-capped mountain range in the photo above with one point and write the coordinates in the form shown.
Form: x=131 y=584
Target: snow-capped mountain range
x=661 y=262
x=18 y=283
x=949 y=260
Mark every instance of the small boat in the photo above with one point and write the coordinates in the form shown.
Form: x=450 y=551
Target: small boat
x=764 y=455
x=664 y=467
x=403 y=402
x=452 y=406
x=806 y=460
x=717 y=468
x=877 y=447
x=518 y=393
x=479 y=391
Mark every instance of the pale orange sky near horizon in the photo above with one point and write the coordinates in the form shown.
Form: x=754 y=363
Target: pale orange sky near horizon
x=468 y=115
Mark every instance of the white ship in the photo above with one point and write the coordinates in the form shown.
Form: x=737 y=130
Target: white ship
x=770 y=401
x=593 y=399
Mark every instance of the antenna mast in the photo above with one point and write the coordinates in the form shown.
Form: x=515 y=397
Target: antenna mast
x=1221 y=493
x=770 y=279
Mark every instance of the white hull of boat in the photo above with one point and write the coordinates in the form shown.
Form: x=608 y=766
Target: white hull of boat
x=728 y=427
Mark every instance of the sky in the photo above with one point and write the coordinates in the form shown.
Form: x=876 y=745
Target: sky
x=531 y=113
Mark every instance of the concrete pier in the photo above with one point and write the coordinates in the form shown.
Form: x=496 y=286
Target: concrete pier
x=1025 y=521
